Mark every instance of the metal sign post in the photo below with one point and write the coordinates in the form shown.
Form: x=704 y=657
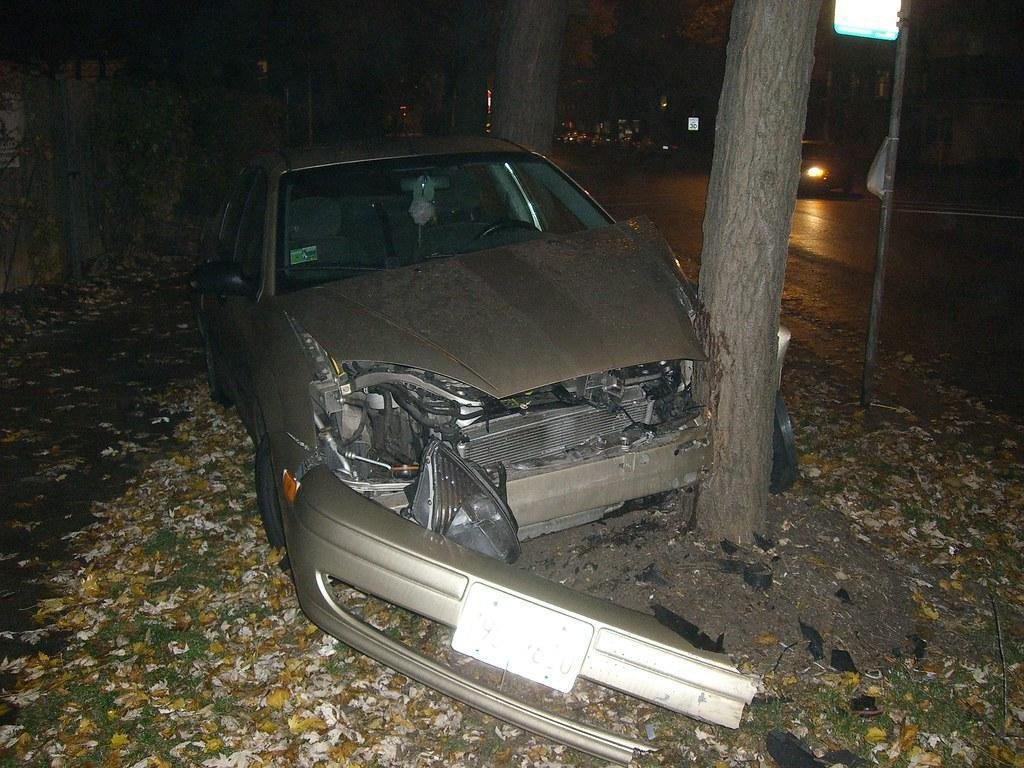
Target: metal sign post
x=887 y=159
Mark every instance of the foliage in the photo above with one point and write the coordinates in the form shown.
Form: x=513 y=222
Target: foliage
x=227 y=128
x=141 y=138
x=28 y=228
x=167 y=153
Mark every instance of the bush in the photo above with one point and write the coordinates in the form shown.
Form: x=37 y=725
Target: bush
x=141 y=143
x=227 y=129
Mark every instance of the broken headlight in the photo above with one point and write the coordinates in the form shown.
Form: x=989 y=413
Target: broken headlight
x=457 y=500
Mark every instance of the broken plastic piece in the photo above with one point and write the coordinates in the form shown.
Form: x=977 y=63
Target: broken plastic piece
x=687 y=630
x=731 y=565
x=815 y=643
x=842 y=661
x=920 y=646
x=757 y=575
x=650 y=575
x=865 y=706
x=790 y=752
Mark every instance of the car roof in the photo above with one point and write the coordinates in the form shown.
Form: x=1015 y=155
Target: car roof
x=379 y=149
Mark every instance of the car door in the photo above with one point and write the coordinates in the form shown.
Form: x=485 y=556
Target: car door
x=239 y=313
x=212 y=311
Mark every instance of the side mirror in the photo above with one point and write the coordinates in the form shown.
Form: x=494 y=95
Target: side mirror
x=220 y=278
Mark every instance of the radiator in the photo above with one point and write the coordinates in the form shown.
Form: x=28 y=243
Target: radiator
x=521 y=437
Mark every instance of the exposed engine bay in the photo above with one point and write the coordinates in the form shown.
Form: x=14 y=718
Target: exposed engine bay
x=385 y=429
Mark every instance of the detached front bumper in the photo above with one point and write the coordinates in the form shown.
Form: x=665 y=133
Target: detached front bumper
x=336 y=533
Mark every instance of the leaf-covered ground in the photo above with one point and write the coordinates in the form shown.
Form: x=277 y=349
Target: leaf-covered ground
x=901 y=543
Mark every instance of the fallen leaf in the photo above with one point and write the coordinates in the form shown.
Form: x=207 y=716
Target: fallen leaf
x=277 y=698
x=875 y=735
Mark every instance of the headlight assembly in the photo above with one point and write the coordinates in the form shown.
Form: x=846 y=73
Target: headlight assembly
x=457 y=500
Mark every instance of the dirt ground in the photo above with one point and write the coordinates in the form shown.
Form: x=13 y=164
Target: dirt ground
x=826 y=574
x=645 y=558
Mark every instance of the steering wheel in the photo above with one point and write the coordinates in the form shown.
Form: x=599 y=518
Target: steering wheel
x=501 y=224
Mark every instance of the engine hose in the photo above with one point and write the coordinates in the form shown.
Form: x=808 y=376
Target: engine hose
x=414 y=409
x=448 y=409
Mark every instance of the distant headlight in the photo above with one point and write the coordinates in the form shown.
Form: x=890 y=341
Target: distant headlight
x=815 y=172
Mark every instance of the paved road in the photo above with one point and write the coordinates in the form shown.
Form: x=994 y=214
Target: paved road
x=953 y=287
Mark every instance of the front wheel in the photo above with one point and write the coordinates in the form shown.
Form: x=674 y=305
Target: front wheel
x=266 y=496
x=784 y=458
x=218 y=392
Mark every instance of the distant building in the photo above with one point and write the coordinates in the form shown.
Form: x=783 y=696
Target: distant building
x=964 y=97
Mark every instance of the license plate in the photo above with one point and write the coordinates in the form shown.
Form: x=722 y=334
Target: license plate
x=527 y=639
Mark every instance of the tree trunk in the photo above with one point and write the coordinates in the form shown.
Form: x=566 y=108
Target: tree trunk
x=526 y=85
x=474 y=59
x=751 y=195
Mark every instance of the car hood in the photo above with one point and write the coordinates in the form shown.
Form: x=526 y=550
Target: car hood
x=510 y=319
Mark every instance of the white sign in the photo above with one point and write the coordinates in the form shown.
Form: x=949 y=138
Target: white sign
x=525 y=638
x=693 y=123
x=12 y=128
x=878 y=19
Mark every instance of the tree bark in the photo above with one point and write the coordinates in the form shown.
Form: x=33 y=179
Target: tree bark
x=474 y=59
x=751 y=195
x=526 y=82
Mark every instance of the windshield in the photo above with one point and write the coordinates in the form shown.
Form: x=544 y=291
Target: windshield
x=344 y=220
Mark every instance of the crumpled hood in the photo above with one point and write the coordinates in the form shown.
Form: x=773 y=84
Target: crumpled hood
x=512 y=319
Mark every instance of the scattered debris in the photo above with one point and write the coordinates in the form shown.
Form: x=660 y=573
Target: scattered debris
x=730 y=565
x=790 y=752
x=815 y=643
x=920 y=646
x=651 y=575
x=865 y=706
x=688 y=630
x=842 y=661
x=757 y=575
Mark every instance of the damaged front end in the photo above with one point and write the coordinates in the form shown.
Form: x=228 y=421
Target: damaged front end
x=420 y=489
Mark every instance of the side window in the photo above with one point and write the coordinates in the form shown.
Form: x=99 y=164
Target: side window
x=561 y=209
x=249 y=250
x=232 y=215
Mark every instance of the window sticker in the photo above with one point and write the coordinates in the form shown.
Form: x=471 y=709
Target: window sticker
x=302 y=255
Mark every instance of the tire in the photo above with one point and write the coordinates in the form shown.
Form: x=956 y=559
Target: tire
x=266 y=496
x=218 y=393
x=784 y=458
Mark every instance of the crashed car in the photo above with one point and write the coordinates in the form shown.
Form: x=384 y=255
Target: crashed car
x=442 y=348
